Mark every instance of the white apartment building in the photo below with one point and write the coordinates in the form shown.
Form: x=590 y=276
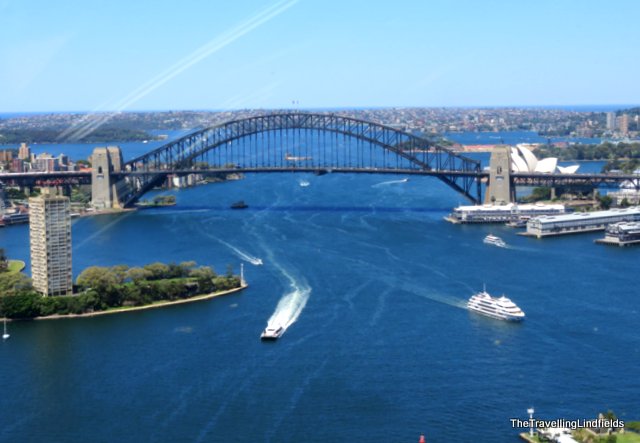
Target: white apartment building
x=50 y=236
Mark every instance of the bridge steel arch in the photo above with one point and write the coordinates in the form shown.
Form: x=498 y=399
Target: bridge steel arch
x=272 y=143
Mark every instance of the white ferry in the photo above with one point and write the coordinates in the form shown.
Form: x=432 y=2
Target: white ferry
x=500 y=308
x=272 y=333
x=494 y=240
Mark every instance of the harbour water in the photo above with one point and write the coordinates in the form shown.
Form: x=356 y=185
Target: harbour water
x=372 y=284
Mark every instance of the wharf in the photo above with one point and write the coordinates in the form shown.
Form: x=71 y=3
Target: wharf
x=574 y=230
x=616 y=242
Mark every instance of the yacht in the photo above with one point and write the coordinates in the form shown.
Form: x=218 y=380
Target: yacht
x=501 y=308
x=272 y=333
x=494 y=240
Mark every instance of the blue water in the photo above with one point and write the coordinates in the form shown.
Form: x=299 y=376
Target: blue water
x=380 y=348
x=82 y=151
x=511 y=138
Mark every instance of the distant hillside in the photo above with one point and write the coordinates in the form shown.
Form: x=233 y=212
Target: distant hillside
x=104 y=134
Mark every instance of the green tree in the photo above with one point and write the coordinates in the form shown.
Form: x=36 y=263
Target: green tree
x=20 y=306
x=158 y=270
x=3 y=261
x=14 y=283
x=605 y=201
x=98 y=278
x=137 y=274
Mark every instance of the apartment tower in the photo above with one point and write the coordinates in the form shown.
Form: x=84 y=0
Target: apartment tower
x=50 y=235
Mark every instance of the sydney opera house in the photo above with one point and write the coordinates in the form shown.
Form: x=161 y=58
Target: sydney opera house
x=523 y=160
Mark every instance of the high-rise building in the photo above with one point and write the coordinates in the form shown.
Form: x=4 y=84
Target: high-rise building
x=24 y=153
x=623 y=123
x=611 y=121
x=6 y=156
x=50 y=235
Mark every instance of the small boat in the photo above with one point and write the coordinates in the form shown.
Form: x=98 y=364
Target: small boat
x=257 y=261
x=239 y=205
x=5 y=335
x=501 y=308
x=304 y=183
x=494 y=240
x=272 y=333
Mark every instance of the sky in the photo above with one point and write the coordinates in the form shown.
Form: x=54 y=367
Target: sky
x=114 y=55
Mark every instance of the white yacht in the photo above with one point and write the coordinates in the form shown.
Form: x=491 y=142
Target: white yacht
x=494 y=240
x=272 y=332
x=501 y=308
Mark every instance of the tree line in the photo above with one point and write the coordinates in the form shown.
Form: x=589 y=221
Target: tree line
x=102 y=288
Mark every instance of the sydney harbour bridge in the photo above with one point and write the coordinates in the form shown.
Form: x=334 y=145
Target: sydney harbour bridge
x=298 y=142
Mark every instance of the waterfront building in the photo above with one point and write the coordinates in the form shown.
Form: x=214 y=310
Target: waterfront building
x=50 y=239
x=621 y=234
x=502 y=213
x=546 y=226
x=24 y=153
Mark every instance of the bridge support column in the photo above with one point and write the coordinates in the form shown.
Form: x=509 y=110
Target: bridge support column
x=104 y=161
x=499 y=189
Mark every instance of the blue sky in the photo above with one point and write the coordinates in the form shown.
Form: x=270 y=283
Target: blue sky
x=73 y=55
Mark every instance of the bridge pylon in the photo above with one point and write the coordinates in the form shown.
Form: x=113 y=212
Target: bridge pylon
x=104 y=192
x=500 y=189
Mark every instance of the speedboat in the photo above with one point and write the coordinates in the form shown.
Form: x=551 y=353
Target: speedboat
x=304 y=183
x=494 y=240
x=501 y=308
x=272 y=333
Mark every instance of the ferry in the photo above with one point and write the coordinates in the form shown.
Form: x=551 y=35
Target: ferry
x=272 y=333
x=500 y=308
x=494 y=240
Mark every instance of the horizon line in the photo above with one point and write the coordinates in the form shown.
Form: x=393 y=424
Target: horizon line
x=328 y=108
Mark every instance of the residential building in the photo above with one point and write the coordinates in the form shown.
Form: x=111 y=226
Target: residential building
x=50 y=236
x=611 y=121
x=24 y=153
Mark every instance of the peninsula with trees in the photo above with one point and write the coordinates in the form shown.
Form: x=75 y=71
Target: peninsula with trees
x=116 y=289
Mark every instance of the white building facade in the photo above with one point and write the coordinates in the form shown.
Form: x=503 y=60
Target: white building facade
x=50 y=238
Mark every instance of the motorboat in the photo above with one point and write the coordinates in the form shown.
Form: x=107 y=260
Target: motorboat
x=272 y=332
x=494 y=240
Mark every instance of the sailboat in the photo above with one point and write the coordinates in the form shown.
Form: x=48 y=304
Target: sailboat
x=5 y=335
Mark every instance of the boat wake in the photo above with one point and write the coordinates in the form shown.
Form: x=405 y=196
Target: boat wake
x=390 y=182
x=440 y=298
x=291 y=304
x=257 y=261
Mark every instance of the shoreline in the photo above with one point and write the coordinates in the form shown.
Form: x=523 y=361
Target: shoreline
x=119 y=310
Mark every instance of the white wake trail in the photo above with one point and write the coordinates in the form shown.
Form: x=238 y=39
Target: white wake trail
x=257 y=261
x=390 y=182
x=292 y=303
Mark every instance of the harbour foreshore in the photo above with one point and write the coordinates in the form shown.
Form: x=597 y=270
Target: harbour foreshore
x=160 y=304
